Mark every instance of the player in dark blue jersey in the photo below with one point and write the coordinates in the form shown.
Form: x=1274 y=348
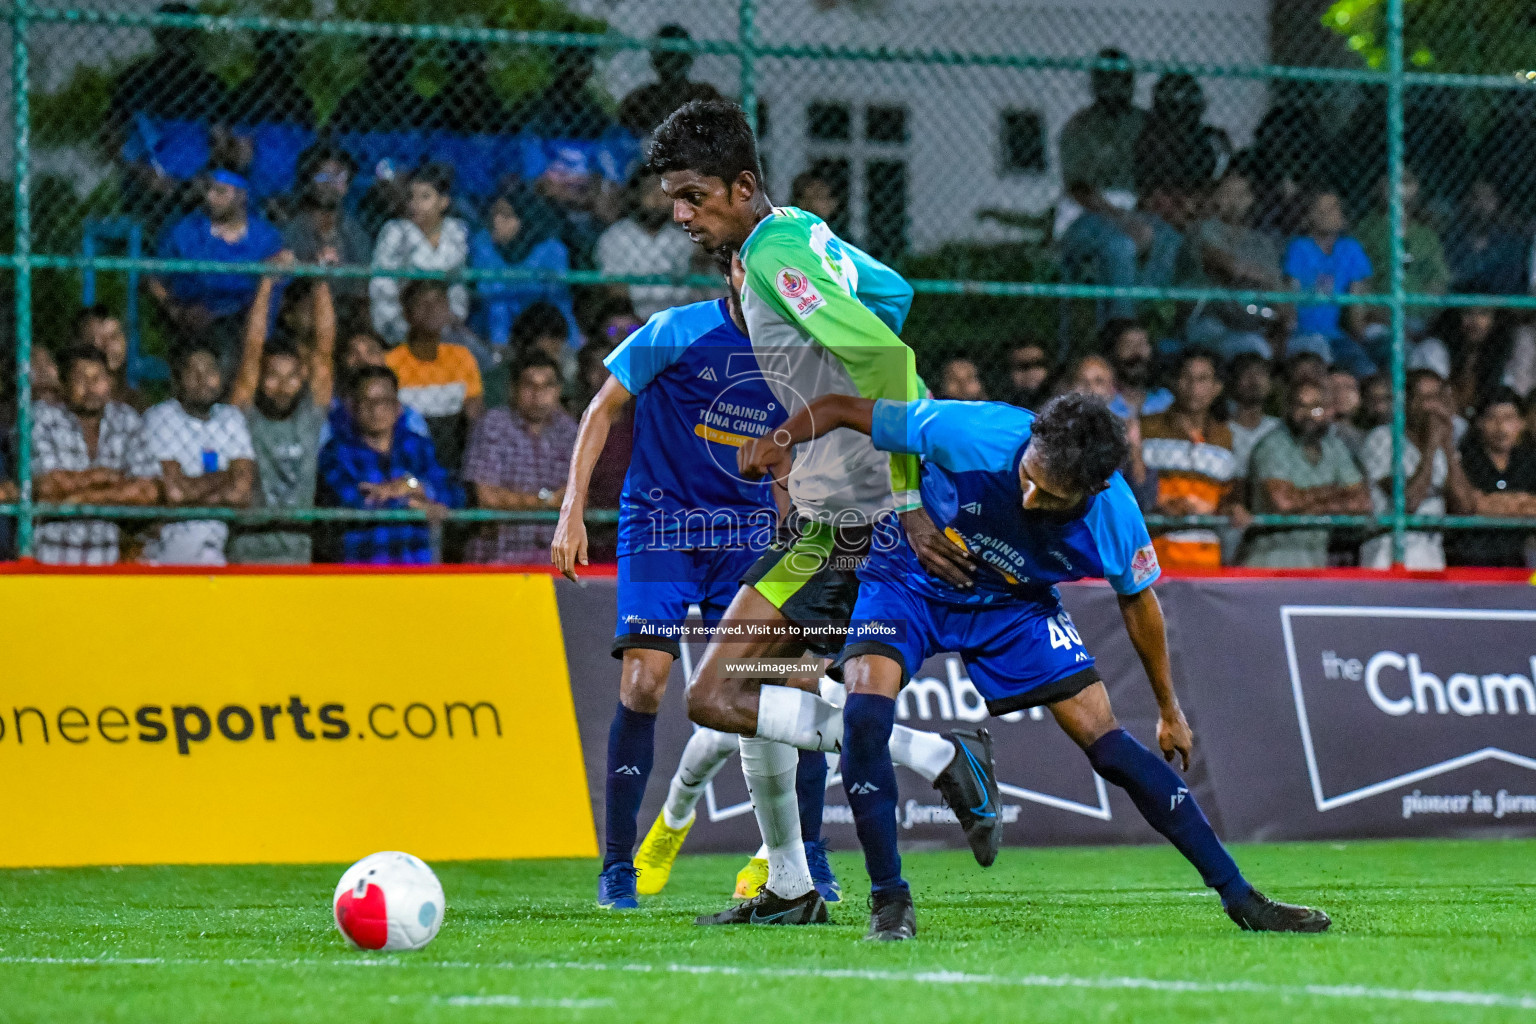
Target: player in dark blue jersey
x=689 y=528
x=1036 y=502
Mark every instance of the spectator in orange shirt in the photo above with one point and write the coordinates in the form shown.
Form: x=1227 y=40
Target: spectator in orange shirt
x=1189 y=452
x=438 y=379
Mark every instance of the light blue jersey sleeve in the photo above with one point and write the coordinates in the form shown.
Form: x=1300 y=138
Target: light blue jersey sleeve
x=646 y=354
x=960 y=436
x=881 y=290
x=1120 y=533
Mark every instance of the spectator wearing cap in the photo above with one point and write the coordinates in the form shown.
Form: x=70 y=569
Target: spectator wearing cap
x=521 y=232
x=322 y=231
x=425 y=239
x=374 y=461
x=1302 y=468
x=1327 y=260
x=284 y=388
x=102 y=329
x=438 y=378
x=80 y=455
x=200 y=450
x=1434 y=480
x=645 y=108
x=1500 y=465
x=207 y=307
x=518 y=460
x=647 y=242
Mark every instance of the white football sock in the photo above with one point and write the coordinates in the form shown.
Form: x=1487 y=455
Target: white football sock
x=762 y=853
x=810 y=722
x=706 y=752
x=926 y=753
x=769 y=768
x=799 y=719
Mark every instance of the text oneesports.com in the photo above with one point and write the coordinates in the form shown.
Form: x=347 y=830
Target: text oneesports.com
x=286 y=718
x=186 y=726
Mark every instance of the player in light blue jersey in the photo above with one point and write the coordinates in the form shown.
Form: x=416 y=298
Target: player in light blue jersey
x=1036 y=502
x=689 y=528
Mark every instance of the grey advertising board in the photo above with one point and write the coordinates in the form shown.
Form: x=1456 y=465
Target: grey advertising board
x=1321 y=709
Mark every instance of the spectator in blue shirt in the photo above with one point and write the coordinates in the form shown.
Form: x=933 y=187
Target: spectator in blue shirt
x=521 y=233
x=206 y=307
x=373 y=461
x=1327 y=260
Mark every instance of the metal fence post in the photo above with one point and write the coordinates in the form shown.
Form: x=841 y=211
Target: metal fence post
x=747 y=36
x=23 y=270
x=1395 y=215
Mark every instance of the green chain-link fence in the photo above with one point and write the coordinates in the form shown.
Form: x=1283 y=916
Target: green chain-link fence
x=974 y=146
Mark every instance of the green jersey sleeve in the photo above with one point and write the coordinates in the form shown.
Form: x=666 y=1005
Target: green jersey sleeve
x=812 y=282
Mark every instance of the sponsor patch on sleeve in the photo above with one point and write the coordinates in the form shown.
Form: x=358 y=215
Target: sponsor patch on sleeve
x=798 y=292
x=1143 y=564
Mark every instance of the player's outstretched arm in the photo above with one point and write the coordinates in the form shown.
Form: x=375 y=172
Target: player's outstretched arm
x=569 y=547
x=1143 y=616
x=771 y=454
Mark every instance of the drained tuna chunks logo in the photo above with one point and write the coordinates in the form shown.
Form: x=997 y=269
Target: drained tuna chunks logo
x=1388 y=697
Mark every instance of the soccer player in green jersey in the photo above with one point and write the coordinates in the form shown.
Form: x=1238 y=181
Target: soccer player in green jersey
x=822 y=317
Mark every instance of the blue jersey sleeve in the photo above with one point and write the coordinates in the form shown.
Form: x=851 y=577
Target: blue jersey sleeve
x=959 y=436
x=645 y=354
x=881 y=290
x=1120 y=534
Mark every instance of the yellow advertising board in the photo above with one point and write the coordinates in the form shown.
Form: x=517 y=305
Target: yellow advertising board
x=285 y=718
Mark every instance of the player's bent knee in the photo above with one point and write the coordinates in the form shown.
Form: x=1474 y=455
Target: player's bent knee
x=873 y=673
x=1086 y=715
x=643 y=679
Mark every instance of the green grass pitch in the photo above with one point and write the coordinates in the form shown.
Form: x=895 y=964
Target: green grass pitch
x=1442 y=931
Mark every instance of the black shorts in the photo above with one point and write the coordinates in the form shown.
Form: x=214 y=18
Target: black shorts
x=808 y=574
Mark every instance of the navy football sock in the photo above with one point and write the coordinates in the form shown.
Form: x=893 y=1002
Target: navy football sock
x=811 y=792
x=631 y=750
x=869 y=779
x=1168 y=805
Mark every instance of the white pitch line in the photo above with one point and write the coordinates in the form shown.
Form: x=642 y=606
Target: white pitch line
x=530 y=1002
x=1173 y=986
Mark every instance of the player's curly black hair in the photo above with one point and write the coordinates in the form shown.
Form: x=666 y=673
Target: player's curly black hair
x=710 y=137
x=1081 y=442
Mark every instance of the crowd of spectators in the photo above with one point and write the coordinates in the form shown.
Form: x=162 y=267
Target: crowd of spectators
x=373 y=391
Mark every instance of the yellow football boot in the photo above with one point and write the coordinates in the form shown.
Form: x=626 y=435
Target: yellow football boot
x=657 y=854
x=751 y=879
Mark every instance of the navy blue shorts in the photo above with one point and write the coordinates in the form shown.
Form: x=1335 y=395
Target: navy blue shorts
x=1018 y=654
x=656 y=588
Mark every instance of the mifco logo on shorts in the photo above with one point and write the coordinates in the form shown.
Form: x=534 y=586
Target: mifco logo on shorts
x=1389 y=697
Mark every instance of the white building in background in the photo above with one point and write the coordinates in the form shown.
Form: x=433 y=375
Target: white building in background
x=947 y=121
x=936 y=134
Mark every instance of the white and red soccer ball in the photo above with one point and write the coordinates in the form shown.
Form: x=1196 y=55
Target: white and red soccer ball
x=389 y=901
